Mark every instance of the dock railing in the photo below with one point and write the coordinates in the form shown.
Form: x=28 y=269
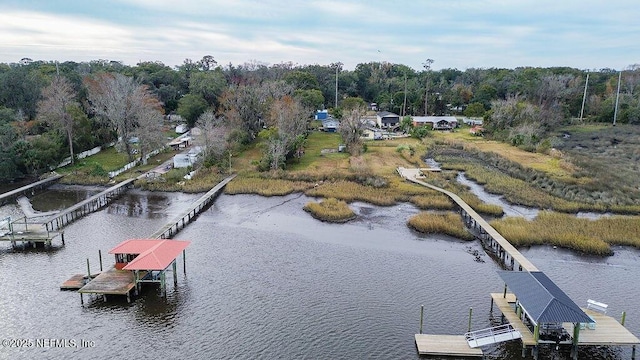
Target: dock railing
x=492 y=335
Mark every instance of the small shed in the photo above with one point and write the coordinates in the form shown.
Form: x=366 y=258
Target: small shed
x=182 y=161
x=321 y=114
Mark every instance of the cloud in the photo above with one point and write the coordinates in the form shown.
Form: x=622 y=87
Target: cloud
x=456 y=33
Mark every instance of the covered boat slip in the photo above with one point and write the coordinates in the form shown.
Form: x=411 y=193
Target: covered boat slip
x=137 y=261
x=543 y=313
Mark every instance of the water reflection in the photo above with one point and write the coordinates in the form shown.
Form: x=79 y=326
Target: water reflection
x=261 y=271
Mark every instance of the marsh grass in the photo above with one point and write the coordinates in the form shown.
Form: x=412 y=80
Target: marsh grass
x=448 y=223
x=432 y=202
x=331 y=210
x=568 y=231
x=264 y=187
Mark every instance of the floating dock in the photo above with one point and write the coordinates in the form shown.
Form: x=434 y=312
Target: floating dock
x=445 y=345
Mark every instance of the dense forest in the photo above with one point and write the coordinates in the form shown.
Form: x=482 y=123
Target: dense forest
x=51 y=110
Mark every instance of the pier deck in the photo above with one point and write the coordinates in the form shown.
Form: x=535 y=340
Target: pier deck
x=445 y=345
x=608 y=331
x=76 y=282
x=509 y=312
x=23 y=232
x=110 y=282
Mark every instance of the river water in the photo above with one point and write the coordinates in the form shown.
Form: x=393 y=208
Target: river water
x=264 y=280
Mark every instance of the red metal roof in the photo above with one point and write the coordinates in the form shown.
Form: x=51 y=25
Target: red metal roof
x=154 y=254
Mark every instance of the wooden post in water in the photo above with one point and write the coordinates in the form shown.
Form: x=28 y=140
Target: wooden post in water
x=88 y=270
x=504 y=294
x=421 y=317
x=184 y=261
x=100 y=256
x=624 y=316
x=470 y=313
x=175 y=273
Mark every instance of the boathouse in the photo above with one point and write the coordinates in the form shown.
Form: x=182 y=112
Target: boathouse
x=137 y=261
x=544 y=314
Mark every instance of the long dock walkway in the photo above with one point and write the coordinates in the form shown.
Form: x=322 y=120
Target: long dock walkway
x=504 y=247
x=10 y=195
x=87 y=206
x=174 y=226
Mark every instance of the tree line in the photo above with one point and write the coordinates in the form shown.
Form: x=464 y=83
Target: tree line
x=51 y=110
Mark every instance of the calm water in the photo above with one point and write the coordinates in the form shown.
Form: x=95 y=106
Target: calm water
x=265 y=280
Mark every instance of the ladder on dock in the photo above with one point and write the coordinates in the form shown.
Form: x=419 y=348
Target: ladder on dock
x=492 y=335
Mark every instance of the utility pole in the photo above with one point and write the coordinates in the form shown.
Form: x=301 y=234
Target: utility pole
x=338 y=66
x=584 y=96
x=615 y=112
x=404 y=103
x=427 y=66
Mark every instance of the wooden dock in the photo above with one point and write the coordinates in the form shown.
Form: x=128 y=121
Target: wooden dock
x=507 y=308
x=174 y=226
x=607 y=331
x=110 y=282
x=27 y=234
x=445 y=345
x=76 y=282
x=87 y=206
x=506 y=252
x=28 y=189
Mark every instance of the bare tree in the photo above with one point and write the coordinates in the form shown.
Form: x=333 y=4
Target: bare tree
x=351 y=128
x=57 y=98
x=129 y=106
x=149 y=126
x=289 y=117
x=213 y=135
x=246 y=106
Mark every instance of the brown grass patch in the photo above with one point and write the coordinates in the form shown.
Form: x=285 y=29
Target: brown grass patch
x=449 y=224
x=332 y=210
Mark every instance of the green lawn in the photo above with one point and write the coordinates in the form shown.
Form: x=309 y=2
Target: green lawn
x=109 y=159
x=316 y=141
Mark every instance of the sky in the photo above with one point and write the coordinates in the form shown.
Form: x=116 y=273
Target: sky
x=461 y=34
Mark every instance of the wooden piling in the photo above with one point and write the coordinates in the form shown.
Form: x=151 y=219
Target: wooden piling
x=421 y=317
x=470 y=313
x=100 y=257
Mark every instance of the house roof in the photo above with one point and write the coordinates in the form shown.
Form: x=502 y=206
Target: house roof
x=153 y=254
x=387 y=114
x=434 y=119
x=543 y=300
